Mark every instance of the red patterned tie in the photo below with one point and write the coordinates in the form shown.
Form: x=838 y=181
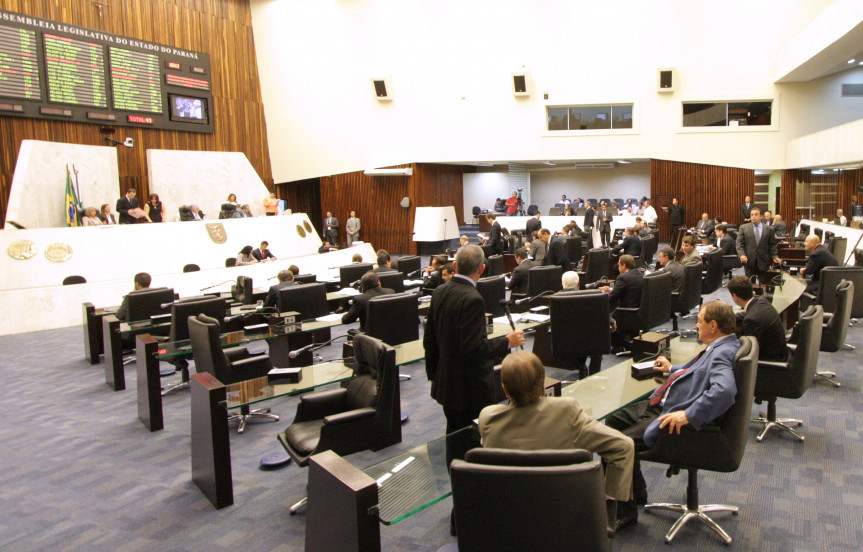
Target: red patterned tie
x=660 y=392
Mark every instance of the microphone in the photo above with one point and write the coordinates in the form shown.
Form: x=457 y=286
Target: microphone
x=314 y=346
x=355 y=283
x=413 y=274
x=217 y=285
x=166 y=305
x=529 y=299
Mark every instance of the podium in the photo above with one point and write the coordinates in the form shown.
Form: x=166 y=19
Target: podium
x=434 y=227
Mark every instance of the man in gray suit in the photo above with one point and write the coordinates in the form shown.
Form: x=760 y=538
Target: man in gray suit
x=352 y=228
x=756 y=246
x=666 y=259
x=331 y=229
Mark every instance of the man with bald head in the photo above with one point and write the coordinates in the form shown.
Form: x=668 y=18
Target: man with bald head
x=819 y=257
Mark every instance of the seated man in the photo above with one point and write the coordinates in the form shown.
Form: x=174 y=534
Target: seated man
x=626 y=293
x=724 y=241
x=142 y=281
x=539 y=246
x=432 y=277
x=286 y=279
x=326 y=247
x=758 y=319
x=518 y=282
x=819 y=257
x=668 y=264
x=643 y=229
x=534 y=422
x=779 y=226
x=689 y=252
x=262 y=253
x=631 y=244
x=695 y=394
x=370 y=285
x=384 y=262
x=446 y=272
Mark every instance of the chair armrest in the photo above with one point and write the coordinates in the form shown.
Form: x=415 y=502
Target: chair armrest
x=349 y=416
x=253 y=367
x=320 y=405
x=792 y=347
x=827 y=317
x=236 y=353
x=773 y=365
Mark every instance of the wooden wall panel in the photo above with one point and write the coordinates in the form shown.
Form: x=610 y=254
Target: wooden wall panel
x=849 y=182
x=220 y=28
x=711 y=189
x=303 y=196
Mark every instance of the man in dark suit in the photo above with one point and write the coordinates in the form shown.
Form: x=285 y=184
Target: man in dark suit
x=695 y=394
x=675 y=215
x=557 y=254
x=286 y=279
x=819 y=257
x=432 y=277
x=384 y=263
x=262 y=253
x=625 y=293
x=756 y=246
x=724 y=241
x=779 y=226
x=746 y=209
x=331 y=228
x=495 y=237
x=126 y=203
x=631 y=244
x=706 y=227
x=759 y=319
x=370 y=284
x=518 y=282
x=666 y=259
x=603 y=220
x=589 y=216
x=533 y=224
x=459 y=355
x=142 y=281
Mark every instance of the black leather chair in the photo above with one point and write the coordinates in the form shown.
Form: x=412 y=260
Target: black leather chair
x=493 y=291
x=597 y=265
x=73 y=280
x=830 y=277
x=393 y=280
x=838 y=246
x=146 y=303
x=719 y=446
x=228 y=210
x=581 y=325
x=729 y=263
x=655 y=308
x=227 y=366
x=648 y=250
x=475 y=211
x=494 y=265
x=181 y=311
x=191 y=267
x=690 y=296
x=394 y=319
x=230 y=261
x=186 y=213
x=310 y=300
x=349 y=274
x=574 y=251
x=363 y=415
x=818 y=232
x=712 y=275
x=790 y=379
x=560 y=502
x=487 y=249
x=409 y=264
x=539 y=279
x=306 y=278
x=835 y=327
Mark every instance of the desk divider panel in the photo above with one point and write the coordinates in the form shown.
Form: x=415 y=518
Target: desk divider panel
x=115 y=376
x=149 y=383
x=211 y=447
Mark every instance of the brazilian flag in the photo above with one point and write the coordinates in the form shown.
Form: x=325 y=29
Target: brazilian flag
x=72 y=203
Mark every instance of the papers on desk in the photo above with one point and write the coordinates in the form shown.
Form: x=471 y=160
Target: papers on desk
x=413 y=282
x=425 y=299
x=505 y=320
x=536 y=317
x=348 y=292
x=330 y=317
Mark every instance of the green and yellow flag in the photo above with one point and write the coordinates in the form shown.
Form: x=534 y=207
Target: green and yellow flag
x=71 y=202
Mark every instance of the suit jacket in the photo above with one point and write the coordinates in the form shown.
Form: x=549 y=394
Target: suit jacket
x=538 y=250
x=533 y=224
x=518 y=282
x=556 y=254
x=675 y=215
x=560 y=423
x=332 y=234
x=604 y=225
x=627 y=289
x=780 y=228
x=256 y=253
x=107 y=220
x=761 y=321
x=677 y=277
x=433 y=280
x=744 y=212
x=705 y=392
x=273 y=294
x=759 y=255
x=818 y=259
x=495 y=238
x=589 y=215
x=360 y=303
x=726 y=244
x=707 y=228
x=353 y=225
x=631 y=246
x=123 y=206
x=694 y=255
x=459 y=354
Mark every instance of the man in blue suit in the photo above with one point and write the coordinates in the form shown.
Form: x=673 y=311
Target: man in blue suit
x=695 y=394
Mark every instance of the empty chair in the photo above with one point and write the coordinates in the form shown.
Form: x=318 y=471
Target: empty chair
x=655 y=307
x=306 y=278
x=227 y=366
x=790 y=379
x=729 y=263
x=410 y=266
x=230 y=261
x=690 y=296
x=310 y=300
x=475 y=211
x=581 y=327
x=72 y=280
x=718 y=447
x=494 y=265
x=649 y=246
x=554 y=211
x=838 y=246
x=542 y=501
x=493 y=291
x=819 y=232
x=543 y=278
x=181 y=311
x=830 y=277
x=574 y=251
x=364 y=415
x=394 y=319
x=712 y=276
x=191 y=267
x=835 y=327
x=351 y=273
x=393 y=280
x=597 y=265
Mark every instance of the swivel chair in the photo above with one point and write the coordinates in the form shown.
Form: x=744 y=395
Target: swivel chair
x=574 y=251
x=563 y=489
x=230 y=261
x=493 y=291
x=364 y=415
x=476 y=212
x=408 y=265
x=540 y=279
x=689 y=297
x=487 y=249
x=830 y=277
x=73 y=280
x=227 y=366
x=790 y=379
x=719 y=446
x=495 y=265
x=712 y=275
x=310 y=300
x=306 y=278
x=181 y=311
x=838 y=246
x=143 y=304
x=835 y=327
x=581 y=326
x=655 y=307
x=349 y=274
x=393 y=280
x=554 y=211
x=191 y=267
x=394 y=319
x=597 y=265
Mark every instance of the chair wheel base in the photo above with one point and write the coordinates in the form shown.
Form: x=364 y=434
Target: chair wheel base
x=296 y=507
x=262 y=414
x=779 y=423
x=829 y=377
x=700 y=514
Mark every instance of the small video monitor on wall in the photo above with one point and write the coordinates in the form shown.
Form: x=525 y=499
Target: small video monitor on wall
x=186 y=109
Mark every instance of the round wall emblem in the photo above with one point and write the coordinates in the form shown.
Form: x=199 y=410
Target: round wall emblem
x=300 y=231
x=21 y=250
x=58 y=252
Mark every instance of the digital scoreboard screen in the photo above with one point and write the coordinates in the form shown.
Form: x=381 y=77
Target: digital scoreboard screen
x=53 y=70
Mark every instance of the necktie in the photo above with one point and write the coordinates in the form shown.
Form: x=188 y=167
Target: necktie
x=757 y=233
x=656 y=398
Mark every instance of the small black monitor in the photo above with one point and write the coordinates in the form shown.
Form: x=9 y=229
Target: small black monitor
x=349 y=274
x=187 y=109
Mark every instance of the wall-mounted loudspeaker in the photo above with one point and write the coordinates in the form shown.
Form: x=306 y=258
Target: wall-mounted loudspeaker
x=667 y=78
x=383 y=89
x=406 y=202
x=521 y=84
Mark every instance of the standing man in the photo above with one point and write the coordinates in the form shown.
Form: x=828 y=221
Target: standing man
x=649 y=215
x=459 y=355
x=604 y=223
x=331 y=229
x=495 y=237
x=675 y=215
x=352 y=228
x=512 y=205
x=819 y=257
x=589 y=214
x=759 y=319
x=756 y=246
x=745 y=210
x=125 y=204
x=518 y=282
x=533 y=224
x=539 y=246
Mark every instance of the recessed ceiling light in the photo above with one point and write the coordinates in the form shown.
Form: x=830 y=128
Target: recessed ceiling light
x=861 y=63
x=624 y=162
x=852 y=60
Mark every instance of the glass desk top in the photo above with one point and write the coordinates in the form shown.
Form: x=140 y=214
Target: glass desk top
x=788 y=292
x=258 y=390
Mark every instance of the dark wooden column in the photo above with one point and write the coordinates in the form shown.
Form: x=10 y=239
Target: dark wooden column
x=211 y=447
x=92 y=333
x=114 y=374
x=149 y=384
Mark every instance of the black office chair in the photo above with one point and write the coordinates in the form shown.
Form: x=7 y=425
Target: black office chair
x=581 y=326
x=494 y=265
x=74 y=280
x=227 y=366
x=310 y=300
x=181 y=311
x=230 y=261
x=597 y=265
x=690 y=296
x=408 y=265
x=493 y=291
x=648 y=250
x=830 y=277
x=543 y=278
x=476 y=212
x=306 y=278
x=712 y=275
x=394 y=319
x=655 y=307
x=554 y=211
x=393 y=280
x=729 y=263
x=818 y=232
x=838 y=246
x=363 y=415
x=487 y=249
x=349 y=274
x=144 y=304
x=719 y=447
x=186 y=213
x=560 y=502
x=192 y=267
x=835 y=328
x=790 y=379
x=574 y=251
